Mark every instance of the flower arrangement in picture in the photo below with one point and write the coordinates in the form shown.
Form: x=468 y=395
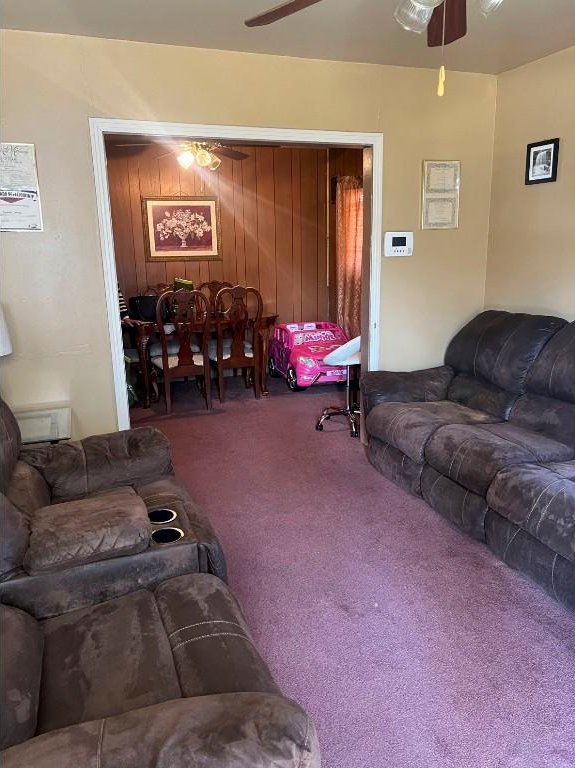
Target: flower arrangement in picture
x=183 y=223
x=181 y=228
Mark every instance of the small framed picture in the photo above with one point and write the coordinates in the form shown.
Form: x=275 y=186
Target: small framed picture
x=181 y=228
x=541 y=161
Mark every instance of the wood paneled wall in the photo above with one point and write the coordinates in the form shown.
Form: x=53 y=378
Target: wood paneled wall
x=273 y=223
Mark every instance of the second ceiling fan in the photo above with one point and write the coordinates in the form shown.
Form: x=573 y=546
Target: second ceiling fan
x=445 y=20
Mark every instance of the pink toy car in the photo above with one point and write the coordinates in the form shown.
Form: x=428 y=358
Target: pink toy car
x=297 y=351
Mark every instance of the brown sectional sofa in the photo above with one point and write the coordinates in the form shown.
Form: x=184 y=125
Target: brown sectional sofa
x=153 y=679
x=116 y=651
x=488 y=439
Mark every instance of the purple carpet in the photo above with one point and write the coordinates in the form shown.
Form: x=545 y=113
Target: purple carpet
x=409 y=644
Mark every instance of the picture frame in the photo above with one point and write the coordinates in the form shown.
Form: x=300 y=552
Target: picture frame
x=541 y=162
x=441 y=181
x=182 y=228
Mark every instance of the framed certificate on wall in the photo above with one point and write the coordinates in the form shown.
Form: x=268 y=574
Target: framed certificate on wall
x=440 y=194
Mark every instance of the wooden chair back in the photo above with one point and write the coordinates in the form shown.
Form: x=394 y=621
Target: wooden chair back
x=211 y=290
x=238 y=312
x=189 y=322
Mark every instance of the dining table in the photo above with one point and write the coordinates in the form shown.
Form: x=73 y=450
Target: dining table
x=147 y=330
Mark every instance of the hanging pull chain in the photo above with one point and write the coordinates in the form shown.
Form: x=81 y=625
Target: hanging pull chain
x=441 y=79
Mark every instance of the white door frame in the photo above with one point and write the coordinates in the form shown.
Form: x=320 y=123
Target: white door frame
x=101 y=126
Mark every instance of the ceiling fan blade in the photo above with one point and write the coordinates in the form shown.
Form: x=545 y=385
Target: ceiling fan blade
x=232 y=154
x=279 y=12
x=455 y=23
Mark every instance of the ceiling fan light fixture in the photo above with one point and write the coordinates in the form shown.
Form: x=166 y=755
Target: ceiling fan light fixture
x=487 y=6
x=186 y=158
x=215 y=164
x=413 y=16
x=203 y=158
x=429 y=3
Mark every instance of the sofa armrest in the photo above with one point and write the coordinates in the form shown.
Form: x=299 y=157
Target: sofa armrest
x=101 y=462
x=232 y=730
x=405 y=387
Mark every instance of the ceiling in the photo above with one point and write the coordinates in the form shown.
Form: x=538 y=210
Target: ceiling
x=347 y=30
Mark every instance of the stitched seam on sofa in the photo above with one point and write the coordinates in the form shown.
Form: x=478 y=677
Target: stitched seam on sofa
x=398 y=416
x=559 y=353
x=506 y=342
x=479 y=340
x=305 y=747
x=200 y=623
x=437 y=479
x=100 y=742
x=463 y=444
x=215 y=634
x=510 y=542
x=553 y=575
x=557 y=480
x=546 y=509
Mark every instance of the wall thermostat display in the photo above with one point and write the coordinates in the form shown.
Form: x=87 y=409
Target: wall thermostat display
x=398 y=244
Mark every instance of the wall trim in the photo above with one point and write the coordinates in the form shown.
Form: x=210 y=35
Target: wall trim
x=100 y=126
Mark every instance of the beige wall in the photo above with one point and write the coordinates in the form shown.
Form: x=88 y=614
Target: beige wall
x=531 y=261
x=52 y=281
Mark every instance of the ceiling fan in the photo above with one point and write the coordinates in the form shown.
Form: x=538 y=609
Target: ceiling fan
x=204 y=153
x=445 y=20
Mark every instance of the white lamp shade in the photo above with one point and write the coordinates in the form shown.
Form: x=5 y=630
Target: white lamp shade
x=5 y=343
x=413 y=16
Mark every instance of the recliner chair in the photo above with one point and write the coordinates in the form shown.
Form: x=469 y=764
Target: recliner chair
x=75 y=520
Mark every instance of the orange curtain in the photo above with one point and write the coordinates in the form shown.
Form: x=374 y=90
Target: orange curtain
x=348 y=251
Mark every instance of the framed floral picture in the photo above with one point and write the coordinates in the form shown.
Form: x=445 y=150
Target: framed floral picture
x=181 y=228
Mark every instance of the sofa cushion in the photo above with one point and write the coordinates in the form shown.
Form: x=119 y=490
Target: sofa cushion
x=10 y=442
x=28 y=490
x=479 y=394
x=540 y=499
x=211 y=643
x=101 y=462
x=105 y=660
x=408 y=426
x=21 y=644
x=546 y=415
x=473 y=455
x=501 y=346
x=459 y=505
x=15 y=537
x=553 y=374
x=95 y=528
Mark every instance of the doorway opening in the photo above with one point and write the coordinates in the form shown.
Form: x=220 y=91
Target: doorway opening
x=277 y=218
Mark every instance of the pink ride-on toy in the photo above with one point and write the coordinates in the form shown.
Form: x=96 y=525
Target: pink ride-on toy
x=297 y=351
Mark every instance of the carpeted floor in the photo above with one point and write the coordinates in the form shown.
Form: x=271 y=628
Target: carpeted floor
x=409 y=644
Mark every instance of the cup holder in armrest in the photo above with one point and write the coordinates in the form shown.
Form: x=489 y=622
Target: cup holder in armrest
x=167 y=535
x=162 y=515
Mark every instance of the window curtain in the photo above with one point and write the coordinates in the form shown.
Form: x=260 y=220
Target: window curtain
x=348 y=252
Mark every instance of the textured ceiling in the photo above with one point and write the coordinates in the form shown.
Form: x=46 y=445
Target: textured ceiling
x=347 y=30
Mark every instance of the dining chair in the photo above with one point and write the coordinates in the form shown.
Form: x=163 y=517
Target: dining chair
x=238 y=314
x=184 y=340
x=211 y=289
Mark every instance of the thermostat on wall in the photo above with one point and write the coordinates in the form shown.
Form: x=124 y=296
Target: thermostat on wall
x=398 y=244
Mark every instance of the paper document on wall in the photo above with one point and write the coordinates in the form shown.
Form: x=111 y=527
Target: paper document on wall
x=440 y=198
x=20 y=209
